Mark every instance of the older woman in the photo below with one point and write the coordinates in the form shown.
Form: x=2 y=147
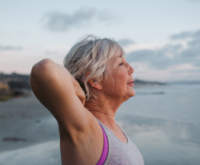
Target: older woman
x=84 y=96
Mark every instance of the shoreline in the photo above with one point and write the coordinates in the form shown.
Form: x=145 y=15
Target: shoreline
x=24 y=121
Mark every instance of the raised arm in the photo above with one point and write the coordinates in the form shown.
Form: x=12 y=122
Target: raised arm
x=62 y=95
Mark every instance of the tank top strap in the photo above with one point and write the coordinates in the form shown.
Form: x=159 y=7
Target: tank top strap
x=105 y=148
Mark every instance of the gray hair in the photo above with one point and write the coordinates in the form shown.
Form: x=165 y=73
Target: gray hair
x=89 y=55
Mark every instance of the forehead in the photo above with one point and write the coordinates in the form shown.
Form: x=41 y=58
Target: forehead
x=112 y=62
x=118 y=53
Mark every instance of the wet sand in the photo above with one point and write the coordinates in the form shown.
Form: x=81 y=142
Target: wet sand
x=28 y=133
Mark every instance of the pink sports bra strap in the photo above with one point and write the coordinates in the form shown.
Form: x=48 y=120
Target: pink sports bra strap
x=105 y=149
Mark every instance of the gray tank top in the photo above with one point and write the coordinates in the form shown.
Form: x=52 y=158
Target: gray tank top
x=121 y=153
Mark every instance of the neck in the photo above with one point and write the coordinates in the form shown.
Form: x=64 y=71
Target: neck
x=104 y=109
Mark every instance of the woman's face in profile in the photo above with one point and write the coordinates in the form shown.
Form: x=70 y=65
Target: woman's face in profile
x=121 y=72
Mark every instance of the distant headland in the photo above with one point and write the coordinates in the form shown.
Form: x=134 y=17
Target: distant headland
x=15 y=85
x=142 y=82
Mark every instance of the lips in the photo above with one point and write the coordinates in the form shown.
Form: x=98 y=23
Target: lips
x=131 y=83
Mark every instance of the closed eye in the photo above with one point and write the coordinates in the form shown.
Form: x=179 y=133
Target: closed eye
x=121 y=63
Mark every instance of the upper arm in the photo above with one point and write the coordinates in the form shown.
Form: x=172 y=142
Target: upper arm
x=81 y=135
x=52 y=85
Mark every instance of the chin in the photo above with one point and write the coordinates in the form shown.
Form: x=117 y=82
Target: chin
x=132 y=93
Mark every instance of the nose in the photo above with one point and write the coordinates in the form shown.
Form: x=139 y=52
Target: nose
x=131 y=70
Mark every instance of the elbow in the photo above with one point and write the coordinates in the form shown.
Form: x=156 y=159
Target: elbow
x=41 y=70
x=41 y=67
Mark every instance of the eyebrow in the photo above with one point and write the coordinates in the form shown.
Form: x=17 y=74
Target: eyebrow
x=121 y=55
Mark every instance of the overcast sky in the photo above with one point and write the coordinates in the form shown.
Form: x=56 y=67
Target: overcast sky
x=161 y=38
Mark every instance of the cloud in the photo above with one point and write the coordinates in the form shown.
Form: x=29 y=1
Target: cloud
x=161 y=58
x=195 y=39
x=56 y=21
x=183 y=35
x=193 y=51
x=193 y=36
x=125 y=42
x=171 y=55
x=106 y=16
x=140 y=55
x=10 y=47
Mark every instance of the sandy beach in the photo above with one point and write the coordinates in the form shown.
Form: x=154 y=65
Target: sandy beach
x=27 y=131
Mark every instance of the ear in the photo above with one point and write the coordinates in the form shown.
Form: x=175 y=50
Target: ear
x=95 y=84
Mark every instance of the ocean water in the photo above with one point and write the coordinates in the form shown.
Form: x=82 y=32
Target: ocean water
x=164 y=123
